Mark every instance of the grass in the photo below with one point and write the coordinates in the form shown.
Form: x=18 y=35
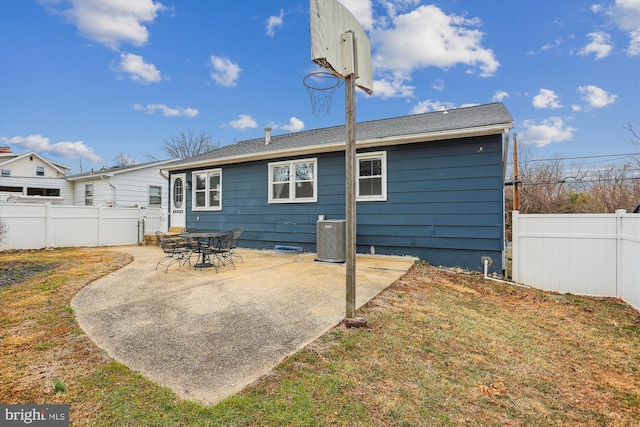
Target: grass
x=441 y=349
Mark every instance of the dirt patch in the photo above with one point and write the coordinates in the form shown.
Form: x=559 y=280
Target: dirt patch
x=20 y=270
x=40 y=341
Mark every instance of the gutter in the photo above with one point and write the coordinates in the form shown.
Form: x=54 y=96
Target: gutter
x=340 y=146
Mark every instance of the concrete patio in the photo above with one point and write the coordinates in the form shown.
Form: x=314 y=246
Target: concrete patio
x=206 y=335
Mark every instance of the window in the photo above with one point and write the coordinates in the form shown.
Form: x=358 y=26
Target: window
x=34 y=191
x=207 y=190
x=6 y=172
x=39 y=170
x=372 y=176
x=88 y=194
x=155 y=195
x=293 y=181
x=178 y=193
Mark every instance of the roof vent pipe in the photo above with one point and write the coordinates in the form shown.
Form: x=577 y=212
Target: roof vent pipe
x=267 y=137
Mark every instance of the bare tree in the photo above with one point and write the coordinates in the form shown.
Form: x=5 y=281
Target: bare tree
x=635 y=136
x=186 y=144
x=611 y=188
x=122 y=160
x=548 y=187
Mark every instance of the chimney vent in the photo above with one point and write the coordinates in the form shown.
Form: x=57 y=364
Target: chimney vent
x=267 y=137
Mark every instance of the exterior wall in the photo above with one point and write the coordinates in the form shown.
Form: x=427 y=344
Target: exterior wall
x=65 y=187
x=444 y=204
x=27 y=168
x=131 y=189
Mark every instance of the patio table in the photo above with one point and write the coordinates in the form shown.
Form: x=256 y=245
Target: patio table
x=203 y=241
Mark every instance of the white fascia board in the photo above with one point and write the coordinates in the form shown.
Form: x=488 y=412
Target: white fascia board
x=339 y=146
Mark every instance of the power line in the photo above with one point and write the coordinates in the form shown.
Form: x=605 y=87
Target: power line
x=621 y=155
x=591 y=181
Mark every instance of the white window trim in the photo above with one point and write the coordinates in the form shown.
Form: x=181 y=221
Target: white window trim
x=88 y=194
x=374 y=155
x=149 y=195
x=206 y=207
x=40 y=168
x=292 y=164
x=6 y=172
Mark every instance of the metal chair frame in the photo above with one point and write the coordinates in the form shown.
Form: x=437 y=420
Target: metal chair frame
x=174 y=250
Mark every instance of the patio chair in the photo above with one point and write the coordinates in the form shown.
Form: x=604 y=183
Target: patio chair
x=189 y=242
x=220 y=247
x=174 y=251
x=235 y=236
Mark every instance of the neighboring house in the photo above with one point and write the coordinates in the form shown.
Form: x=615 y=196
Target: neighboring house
x=29 y=177
x=428 y=185
x=143 y=185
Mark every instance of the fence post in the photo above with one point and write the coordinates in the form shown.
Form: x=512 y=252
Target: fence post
x=49 y=226
x=619 y=246
x=100 y=225
x=515 y=246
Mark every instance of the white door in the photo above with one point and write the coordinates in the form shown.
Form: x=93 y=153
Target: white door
x=178 y=201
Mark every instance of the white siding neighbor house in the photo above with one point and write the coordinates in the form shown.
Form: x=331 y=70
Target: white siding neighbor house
x=29 y=177
x=143 y=185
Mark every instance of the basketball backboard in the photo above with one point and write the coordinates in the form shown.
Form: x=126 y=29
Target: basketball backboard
x=339 y=44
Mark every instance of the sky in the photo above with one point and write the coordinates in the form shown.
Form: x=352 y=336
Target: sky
x=85 y=81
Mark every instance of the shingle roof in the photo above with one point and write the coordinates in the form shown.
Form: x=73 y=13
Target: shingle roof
x=460 y=119
x=119 y=169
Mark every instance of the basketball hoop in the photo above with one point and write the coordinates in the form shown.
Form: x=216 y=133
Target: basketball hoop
x=321 y=86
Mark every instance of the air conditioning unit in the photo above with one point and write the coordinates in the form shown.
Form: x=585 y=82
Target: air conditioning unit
x=331 y=245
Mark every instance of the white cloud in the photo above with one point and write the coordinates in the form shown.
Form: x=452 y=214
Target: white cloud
x=428 y=37
x=167 y=111
x=596 y=97
x=295 y=125
x=626 y=15
x=274 y=22
x=110 y=23
x=438 y=85
x=429 y=105
x=225 y=72
x=138 y=70
x=546 y=132
x=65 y=149
x=499 y=96
x=245 y=121
x=546 y=99
x=600 y=45
x=392 y=88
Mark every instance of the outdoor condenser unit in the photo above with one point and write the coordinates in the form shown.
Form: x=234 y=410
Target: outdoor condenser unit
x=331 y=240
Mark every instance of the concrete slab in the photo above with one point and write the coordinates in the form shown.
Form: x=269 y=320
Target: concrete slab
x=206 y=335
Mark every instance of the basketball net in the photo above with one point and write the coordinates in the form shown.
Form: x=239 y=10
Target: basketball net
x=321 y=86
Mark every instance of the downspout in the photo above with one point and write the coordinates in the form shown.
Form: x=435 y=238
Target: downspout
x=505 y=246
x=115 y=195
x=487 y=277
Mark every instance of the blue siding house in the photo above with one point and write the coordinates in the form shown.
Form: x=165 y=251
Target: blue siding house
x=428 y=185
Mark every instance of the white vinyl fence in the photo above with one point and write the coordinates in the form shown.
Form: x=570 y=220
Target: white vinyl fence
x=586 y=254
x=36 y=226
